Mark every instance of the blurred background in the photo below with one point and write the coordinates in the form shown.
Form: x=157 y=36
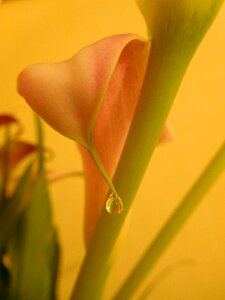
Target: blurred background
x=48 y=31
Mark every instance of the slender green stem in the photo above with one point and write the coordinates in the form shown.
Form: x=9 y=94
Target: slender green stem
x=101 y=168
x=173 y=225
x=40 y=142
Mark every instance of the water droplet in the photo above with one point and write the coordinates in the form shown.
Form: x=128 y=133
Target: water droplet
x=114 y=205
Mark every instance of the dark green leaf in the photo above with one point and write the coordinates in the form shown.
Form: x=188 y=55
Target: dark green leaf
x=34 y=251
x=4 y=279
x=12 y=208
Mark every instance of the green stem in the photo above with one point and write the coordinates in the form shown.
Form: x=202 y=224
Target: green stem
x=142 y=139
x=40 y=143
x=173 y=225
x=167 y=64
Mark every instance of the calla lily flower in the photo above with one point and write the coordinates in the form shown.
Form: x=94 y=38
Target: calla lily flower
x=91 y=98
x=18 y=150
x=12 y=152
x=6 y=120
x=9 y=120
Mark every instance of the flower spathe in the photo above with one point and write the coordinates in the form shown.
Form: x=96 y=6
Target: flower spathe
x=77 y=87
x=91 y=98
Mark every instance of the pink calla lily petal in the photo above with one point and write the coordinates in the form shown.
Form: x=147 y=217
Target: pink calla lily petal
x=69 y=95
x=91 y=99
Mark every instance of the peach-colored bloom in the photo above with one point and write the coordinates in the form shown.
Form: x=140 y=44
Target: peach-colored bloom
x=91 y=98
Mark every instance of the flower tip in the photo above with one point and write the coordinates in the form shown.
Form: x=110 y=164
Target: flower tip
x=23 y=82
x=20 y=83
x=30 y=80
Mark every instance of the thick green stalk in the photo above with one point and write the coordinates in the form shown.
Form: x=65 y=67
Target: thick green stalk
x=173 y=225
x=167 y=64
x=141 y=142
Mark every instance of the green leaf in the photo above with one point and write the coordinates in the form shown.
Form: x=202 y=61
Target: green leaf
x=53 y=252
x=173 y=225
x=4 y=175
x=4 y=279
x=161 y=276
x=12 y=208
x=33 y=249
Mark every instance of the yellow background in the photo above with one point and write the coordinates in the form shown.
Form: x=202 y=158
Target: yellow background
x=36 y=31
